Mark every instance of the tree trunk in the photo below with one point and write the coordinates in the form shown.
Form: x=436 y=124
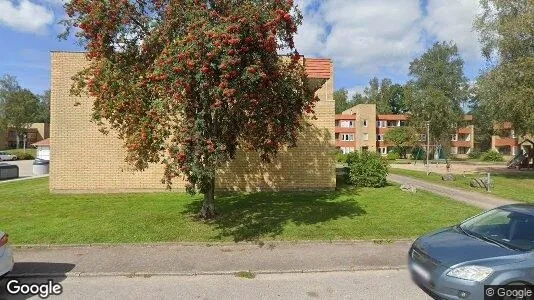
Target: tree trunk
x=208 y=207
x=18 y=140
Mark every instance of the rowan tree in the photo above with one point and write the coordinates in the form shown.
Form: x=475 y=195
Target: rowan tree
x=187 y=83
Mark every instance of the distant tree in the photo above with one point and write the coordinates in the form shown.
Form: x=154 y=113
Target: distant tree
x=8 y=84
x=44 y=107
x=437 y=91
x=506 y=28
x=21 y=110
x=388 y=97
x=482 y=120
x=341 y=100
x=187 y=83
x=404 y=138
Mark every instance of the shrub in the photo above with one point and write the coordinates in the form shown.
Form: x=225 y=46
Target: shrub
x=392 y=155
x=367 y=170
x=23 y=156
x=491 y=156
x=475 y=154
x=418 y=153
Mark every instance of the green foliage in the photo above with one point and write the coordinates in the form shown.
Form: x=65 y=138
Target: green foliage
x=393 y=155
x=388 y=97
x=506 y=28
x=418 y=153
x=474 y=154
x=438 y=90
x=403 y=138
x=367 y=169
x=21 y=155
x=341 y=100
x=206 y=81
x=491 y=155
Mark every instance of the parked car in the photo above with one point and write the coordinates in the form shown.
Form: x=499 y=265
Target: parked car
x=7 y=156
x=6 y=255
x=493 y=248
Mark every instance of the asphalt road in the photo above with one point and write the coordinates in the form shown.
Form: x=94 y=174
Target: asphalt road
x=386 y=284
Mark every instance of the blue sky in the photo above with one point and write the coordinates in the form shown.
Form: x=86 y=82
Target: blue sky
x=365 y=38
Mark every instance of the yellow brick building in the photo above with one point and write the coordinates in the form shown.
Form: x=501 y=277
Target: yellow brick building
x=85 y=160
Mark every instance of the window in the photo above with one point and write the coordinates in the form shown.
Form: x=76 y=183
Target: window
x=422 y=137
x=346 y=124
x=347 y=137
x=454 y=150
x=366 y=136
x=381 y=124
x=380 y=137
x=346 y=150
x=383 y=150
x=364 y=123
x=454 y=138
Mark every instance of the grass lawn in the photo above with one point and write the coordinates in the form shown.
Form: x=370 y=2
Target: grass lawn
x=32 y=215
x=517 y=186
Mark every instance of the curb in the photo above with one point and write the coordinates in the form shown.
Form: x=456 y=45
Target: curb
x=189 y=274
x=378 y=242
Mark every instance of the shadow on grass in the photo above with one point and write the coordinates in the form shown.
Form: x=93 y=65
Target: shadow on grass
x=249 y=217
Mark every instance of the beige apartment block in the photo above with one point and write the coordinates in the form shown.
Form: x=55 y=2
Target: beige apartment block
x=85 y=160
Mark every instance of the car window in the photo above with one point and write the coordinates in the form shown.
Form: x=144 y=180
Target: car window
x=512 y=229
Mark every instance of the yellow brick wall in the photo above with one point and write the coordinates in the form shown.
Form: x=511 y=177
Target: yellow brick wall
x=85 y=160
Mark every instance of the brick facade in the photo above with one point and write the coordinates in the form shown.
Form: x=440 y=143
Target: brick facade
x=361 y=128
x=85 y=160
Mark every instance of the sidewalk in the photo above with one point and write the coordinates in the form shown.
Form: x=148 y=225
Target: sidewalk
x=471 y=198
x=194 y=259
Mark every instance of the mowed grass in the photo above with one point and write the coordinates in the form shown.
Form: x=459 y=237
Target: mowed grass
x=513 y=185
x=31 y=215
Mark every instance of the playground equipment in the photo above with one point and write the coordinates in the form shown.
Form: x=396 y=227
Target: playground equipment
x=520 y=160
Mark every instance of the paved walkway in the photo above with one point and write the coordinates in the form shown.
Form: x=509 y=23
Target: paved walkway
x=472 y=198
x=194 y=259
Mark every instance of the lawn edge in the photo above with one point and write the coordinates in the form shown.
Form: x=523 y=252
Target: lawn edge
x=218 y=244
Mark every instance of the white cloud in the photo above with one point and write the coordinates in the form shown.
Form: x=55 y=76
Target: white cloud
x=26 y=16
x=452 y=20
x=355 y=90
x=365 y=36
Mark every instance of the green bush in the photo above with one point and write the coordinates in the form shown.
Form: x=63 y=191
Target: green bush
x=418 y=153
x=392 y=155
x=491 y=156
x=367 y=169
x=475 y=154
x=22 y=155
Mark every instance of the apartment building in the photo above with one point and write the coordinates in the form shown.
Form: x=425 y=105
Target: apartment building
x=360 y=128
x=507 y=143
x=36 y=132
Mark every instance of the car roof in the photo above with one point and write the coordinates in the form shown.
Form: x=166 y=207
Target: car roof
x=524 y=208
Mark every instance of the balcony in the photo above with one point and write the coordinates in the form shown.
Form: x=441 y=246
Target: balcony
x=508 y=141
x=467 y=144
x=340 y=143
x=340 y=129
x=465 y=130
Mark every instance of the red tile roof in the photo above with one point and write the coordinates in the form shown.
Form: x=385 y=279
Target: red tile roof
x=318 y=67
x=45 y=142
x=392 y=117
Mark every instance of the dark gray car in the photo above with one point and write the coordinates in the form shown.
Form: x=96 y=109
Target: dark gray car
x=493 y=248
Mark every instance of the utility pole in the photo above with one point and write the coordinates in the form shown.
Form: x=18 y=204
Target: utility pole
x=427 y=145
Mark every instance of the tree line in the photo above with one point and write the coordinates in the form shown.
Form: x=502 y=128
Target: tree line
x=439 y=92
x=19 y=108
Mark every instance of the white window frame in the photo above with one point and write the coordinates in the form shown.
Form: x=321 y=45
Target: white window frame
x=380 y=137
x=383 y=150
x=366 y=136
x=454 y=138
x=346 y=137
